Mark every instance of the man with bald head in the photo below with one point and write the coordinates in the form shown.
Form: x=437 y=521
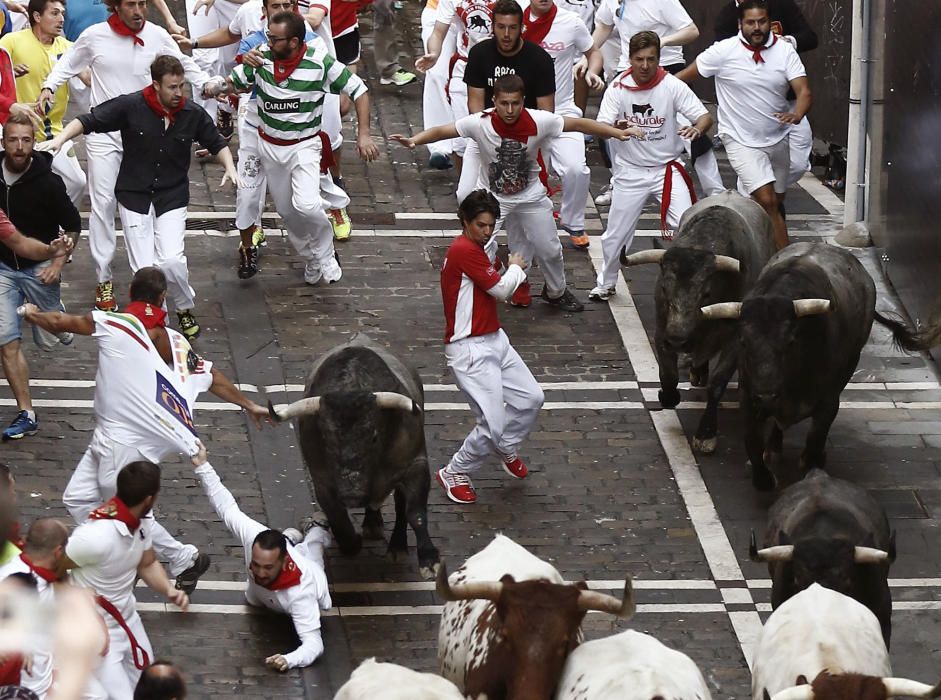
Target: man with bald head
x=161 y=681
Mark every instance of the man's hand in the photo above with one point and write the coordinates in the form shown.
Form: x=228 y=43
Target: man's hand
x=52 y=273
x=689 y=132
x=787 y=117
x=52 y=146
x=404 y=140
x=366 y=147
x=26 y=310
x=201 y=456
x=630 y=132
x=231 y=176
x=16 y=7
x=259 y=414
x=277 y=662
x=425 y=63
x=61 y=246
x=20 y=69
x=28 y=110
x=580 y=68
x=594 y=81
x=214 y=87
x=203 y=3
x=183 y=41
x=516 y=259
x=253 y=58
x=46 y=98
x=178 y=598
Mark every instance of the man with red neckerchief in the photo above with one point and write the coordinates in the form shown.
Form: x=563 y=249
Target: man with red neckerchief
x=107 y=553
x=648 y=97
x=285 y=569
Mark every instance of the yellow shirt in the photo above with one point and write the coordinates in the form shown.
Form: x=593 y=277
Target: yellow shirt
x=24 y=47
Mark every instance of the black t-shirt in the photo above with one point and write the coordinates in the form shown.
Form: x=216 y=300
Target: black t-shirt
x=532 y=63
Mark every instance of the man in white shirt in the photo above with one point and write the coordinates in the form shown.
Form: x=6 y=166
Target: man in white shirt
x=753 y=72
x=564 y=36
x=509 y=139
x=648 y=97
x=285 y=572
x=119 y=53
x=107 y=554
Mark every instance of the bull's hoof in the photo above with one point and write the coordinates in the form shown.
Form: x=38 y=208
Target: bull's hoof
x=429 y=572
x=373 y=532
x=699 y=378
x=762 y=479
x=397 y=555
x=705 y=446
x=351 y=547
x=669 y=398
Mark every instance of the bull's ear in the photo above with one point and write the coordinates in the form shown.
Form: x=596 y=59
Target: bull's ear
x=507 y=578
x=767 y=695
x=801 y=680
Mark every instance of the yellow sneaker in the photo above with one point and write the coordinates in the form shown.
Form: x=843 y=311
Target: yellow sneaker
x=258 y=237
x=342 y=226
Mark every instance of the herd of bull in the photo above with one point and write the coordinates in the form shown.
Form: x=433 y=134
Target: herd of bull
x=793 y=324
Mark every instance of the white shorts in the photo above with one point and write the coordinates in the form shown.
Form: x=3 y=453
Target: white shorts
x=757 y=167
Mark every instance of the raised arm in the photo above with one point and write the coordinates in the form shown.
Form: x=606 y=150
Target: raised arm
x=605 y=131
x=435 y=133
x=433 y=49
x=58 y=321
x=223 y=502
x=227 y=391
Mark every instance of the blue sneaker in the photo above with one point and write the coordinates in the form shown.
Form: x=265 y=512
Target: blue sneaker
x=21 y=427
x=439 y=161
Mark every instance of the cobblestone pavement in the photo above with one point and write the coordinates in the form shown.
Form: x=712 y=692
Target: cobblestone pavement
x=614 y=488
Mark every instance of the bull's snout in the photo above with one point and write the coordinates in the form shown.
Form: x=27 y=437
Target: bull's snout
x=679 y=343
x=766 y=397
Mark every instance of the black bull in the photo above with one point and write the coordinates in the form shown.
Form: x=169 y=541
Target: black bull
x=802 y=328
x=362 y=434
x=829 y=531
x=721 y=245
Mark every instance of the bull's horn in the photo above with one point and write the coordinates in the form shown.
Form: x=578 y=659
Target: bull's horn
x=643 y=257
x=624 y=608
x=811 y=307
x=781 y=552
x=725 y=263
x=304 y=407
x=869 y=555
x=798 y=692
x=389 y=399
x=486 y=590
x=725 y=309
x=902 y=687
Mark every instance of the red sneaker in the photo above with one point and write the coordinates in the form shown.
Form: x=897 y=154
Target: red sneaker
x=521 y=297
x=457 y=486
x=515 y=467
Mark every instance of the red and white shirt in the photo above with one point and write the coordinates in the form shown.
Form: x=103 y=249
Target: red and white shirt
x=474 y=21
x=466 y=275
x=568 y=39
x=749 y=92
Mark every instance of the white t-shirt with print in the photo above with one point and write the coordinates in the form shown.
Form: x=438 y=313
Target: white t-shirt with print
x=473 y=19
x=663 y=17
x=248 y=19
x=568 y=39
x=509 y=167
x=652 y=110
x=750 y=93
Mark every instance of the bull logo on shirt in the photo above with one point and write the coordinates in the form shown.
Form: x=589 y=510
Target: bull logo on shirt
x=643 y=110
x=170 y=399
x=509 y=172
x=643 y=115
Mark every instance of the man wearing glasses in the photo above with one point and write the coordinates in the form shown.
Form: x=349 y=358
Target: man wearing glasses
x=290 y=96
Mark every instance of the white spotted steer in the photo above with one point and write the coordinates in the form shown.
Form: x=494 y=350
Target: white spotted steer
x=380 y=681
x=511 y=621
x=823 y=645
x=630 y=666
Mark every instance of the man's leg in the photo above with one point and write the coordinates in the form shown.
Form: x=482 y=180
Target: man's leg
x=104 y=160
x=567 y=158
x=95 y=479
x=386 y=46
x=138 y=237
x=136 y=626
x=771 y=203
x=535 y=220
x=66 y=166
x=800 y=144
x=470 y=171
x=707 y=168
x=179 y=556
x=15 y=368
x=435 y=108
x=170 y=257
x=249 y=199
x=763 y=172
x=111 y=672
x=523 y=398
x=627 y=203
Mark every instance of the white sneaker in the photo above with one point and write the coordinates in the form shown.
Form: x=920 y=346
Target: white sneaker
x=601 y=293
x=312 y=272
x=331 y=270
x=293 y=535
x=604 y=199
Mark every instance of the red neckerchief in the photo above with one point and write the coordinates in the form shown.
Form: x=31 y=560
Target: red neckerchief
x=535 y=30
x=521 y=130
x=148 y=314
x=118 y=27
x=654 y=81
x=46 y=574
x=150 y=97
x=290 y=576
x=283 y=69
x=756 y=50
x=116 y=510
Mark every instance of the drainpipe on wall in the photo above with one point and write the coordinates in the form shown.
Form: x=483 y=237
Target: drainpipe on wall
x=857 y=143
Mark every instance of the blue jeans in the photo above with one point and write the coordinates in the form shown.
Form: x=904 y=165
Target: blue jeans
x=17 y=287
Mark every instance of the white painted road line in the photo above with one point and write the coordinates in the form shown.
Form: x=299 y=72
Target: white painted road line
x=438 y=216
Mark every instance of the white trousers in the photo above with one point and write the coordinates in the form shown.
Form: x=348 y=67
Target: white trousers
x=95 y=480
x=457 y=97
x=157 y=241
x=502 y=392
x=250 y=198
x=435 y=108
x=531 y=232
x=65 y=164
x=294 y=181
x=104 y=160
x=631 y=192
x=567 y=159
x=117 y=672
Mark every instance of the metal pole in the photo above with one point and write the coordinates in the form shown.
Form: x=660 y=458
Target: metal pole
x=860 y=98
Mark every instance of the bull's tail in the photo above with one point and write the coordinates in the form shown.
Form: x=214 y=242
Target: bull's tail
x=905 y=338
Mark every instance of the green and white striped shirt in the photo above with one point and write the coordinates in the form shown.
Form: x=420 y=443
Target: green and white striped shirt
x=293 y=109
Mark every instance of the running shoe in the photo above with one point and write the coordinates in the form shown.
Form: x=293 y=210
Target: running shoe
x=604 y=199
x=294 y=536
x=400 y=78
x=522 y=297
x=566 y=302
x=188 y=324
x=21 y=426
x=601 y=293
x=342 y=226
x=248 y=262
x=225 y=124
x=515 y=467
x=440 y=161
x=188 y=579
x=577 y=237
x=258 y=237
x=458 y=487
x=331 y=270
x=312 y=272
x=104 y=297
